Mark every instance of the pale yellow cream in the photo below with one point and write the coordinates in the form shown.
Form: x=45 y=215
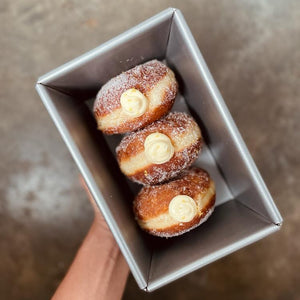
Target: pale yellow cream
x=182 y=208
x=133 y=103
x=158 y=148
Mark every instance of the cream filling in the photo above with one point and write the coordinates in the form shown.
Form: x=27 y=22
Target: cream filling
x=158 y=148
x=166 y=220
x=133 y=103
x=140 y=162
x=155 y=98
x=182 y=208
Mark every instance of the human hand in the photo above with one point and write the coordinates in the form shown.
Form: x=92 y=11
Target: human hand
x=99 y=270
x=99 y=221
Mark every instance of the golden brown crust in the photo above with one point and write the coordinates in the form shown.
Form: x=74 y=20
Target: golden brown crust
x=174 y=125
x=181 y=228
x=143 y=78
x=146 y=118
x=155 y=174
x=153 y=201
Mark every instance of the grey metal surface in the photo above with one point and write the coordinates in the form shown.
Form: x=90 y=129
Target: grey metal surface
x=222 y=136
x=103 y=177
x=65 y=91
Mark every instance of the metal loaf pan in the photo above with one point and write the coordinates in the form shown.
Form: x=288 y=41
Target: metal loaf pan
x=245 y=211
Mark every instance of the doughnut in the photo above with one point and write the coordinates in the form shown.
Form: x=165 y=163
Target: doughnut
x=173 y=208
x=135 y=98
x=161 y=150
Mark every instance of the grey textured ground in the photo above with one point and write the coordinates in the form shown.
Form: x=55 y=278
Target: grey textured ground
x=252 y=49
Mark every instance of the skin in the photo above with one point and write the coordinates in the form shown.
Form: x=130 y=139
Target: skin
x=99 y=270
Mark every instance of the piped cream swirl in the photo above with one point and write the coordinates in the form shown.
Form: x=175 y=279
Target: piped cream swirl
x=182 y=208
x=158 y=148
x=133 y=103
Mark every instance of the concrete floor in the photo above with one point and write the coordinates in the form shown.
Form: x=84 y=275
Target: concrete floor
x=252 y=50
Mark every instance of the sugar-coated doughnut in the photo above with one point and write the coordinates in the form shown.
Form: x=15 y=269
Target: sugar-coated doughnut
x=160 y=151
x=173 y=208
x=135 y=98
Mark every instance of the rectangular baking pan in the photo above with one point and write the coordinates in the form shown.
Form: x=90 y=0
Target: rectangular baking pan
x=245 y=211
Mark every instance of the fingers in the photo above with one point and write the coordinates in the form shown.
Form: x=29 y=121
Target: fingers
x=91 y=198
x=98 y=214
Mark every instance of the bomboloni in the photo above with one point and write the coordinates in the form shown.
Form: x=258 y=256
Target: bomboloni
x=160 y=151
x=178 y=206
x=135 y=98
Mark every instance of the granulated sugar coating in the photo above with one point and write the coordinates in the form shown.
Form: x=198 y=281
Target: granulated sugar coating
x=185 y=136
x=175 y=124
x=161 y=173
x=154 y=80
x=151 y=205
x=142 y=77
